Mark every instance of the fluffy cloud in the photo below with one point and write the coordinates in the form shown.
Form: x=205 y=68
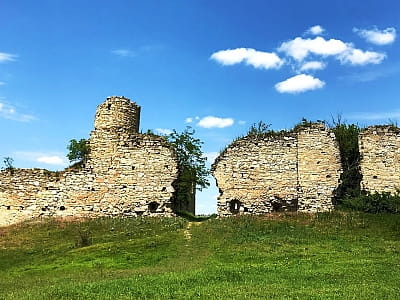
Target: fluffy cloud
x=376 y=36
x=163 y=131
x=7 y=57
x=312 y=65
x=257 y=59
x=298 y=84
x=49 y=158
x=52 y=160
x=316 y=30
x=358 y=57
x=300 y=48
x=189 y=120
x=215 y=122
x=9 y=112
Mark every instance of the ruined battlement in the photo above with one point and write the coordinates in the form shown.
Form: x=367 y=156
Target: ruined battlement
x=380 y=158
x=126 y=174
x=289 y=171
x=117 y=112
x=132 y=174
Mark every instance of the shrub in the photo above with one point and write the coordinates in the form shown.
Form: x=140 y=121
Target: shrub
x=374 y=203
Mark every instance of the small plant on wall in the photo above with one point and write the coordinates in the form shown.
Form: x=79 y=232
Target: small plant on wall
x=8 y=163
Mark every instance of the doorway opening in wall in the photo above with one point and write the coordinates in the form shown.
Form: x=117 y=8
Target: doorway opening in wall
x=206 y=199
x=234 y=206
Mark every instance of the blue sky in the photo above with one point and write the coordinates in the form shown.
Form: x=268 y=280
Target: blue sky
x=218 y=66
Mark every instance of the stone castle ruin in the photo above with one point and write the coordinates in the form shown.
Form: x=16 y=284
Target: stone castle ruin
x=290 y=171
x=133 y=174
x=126 y=173
x=380 y=159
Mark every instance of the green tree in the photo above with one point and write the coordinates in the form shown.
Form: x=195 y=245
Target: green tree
x=347 y=138
x=192 y=167
x=78 y=151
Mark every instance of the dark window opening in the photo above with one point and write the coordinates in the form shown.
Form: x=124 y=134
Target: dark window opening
x=328 y=176
x=124 y=187
x=62 y=207
x=153 y=206
x=164 y=189
x=133 y=167
x=109 y=106
x=44 y=208
x=277 y=206
x=245 y=209
x=8 y=207
x=375 y=177
x=234 y=206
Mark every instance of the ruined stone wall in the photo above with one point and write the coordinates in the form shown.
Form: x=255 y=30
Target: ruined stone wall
x=259 y=173
x=319 y=168
x=290 y=171
x=126 y=174
x=380 y=159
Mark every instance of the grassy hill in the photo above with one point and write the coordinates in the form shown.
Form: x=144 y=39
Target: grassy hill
x=294 y=256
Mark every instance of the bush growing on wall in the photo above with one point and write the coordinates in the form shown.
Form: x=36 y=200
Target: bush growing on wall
x=347 y=138
x=374 y=203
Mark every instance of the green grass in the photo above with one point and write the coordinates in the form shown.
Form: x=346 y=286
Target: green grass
x=282 y=256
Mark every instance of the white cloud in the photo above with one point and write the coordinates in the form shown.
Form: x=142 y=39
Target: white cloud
x=316 y=30
x=312 y=65
x=2 y=83
x=257 y=59
x=359 y=57
x=123 y=52
x=189 y=120
x=163 y=131
x=215 y=122
x=51 y=160
x=298 y=84
x=9 y=112
x=211 y=156
x=300 y=48
x=376 y=36
x=7 y=57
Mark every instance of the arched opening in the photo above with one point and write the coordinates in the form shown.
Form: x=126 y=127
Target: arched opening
x=234 y=206
x=153 y=206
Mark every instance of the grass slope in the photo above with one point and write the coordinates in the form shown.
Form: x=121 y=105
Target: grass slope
x=293 y=256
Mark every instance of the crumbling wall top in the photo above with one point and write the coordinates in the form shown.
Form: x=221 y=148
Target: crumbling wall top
x=380 y=130
x=118 y=112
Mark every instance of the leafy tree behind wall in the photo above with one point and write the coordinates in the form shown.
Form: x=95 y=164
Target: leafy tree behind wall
x=347 y=138
x=78 y=151
x=192 y=166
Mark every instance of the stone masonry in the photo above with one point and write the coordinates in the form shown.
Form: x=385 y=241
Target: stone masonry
x=126 y=174
x=380 y=159
x=290 y=171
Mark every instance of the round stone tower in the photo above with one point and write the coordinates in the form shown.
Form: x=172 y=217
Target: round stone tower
x=117 y=112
